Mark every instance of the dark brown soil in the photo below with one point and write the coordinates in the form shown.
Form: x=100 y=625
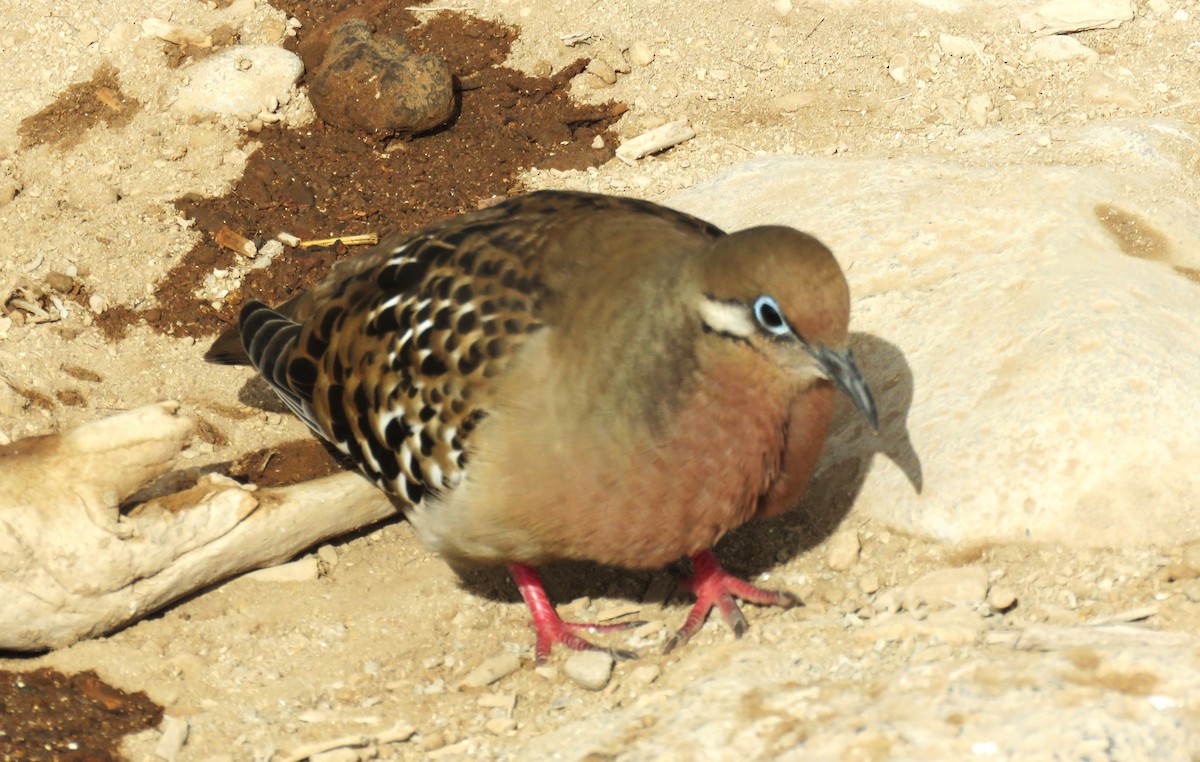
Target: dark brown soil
x=288 y=463
x=323 y=182
x=79 y=108
x=46 y=715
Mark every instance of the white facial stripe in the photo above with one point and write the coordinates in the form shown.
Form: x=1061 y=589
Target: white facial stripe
x=733 y=319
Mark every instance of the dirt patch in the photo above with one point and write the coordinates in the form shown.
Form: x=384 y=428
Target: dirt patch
x=79 y=108
x=46 y=715
x=321 y=181
x=288 y=463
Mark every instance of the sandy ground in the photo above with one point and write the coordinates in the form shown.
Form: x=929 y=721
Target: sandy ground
x=387 y=632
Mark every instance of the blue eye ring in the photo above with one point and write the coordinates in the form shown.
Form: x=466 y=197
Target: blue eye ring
x=770 y=316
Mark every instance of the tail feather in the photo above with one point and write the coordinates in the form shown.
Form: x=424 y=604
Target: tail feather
x=265 y=339
x=227 y=349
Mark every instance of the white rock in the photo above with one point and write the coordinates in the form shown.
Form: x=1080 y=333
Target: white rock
x=1059 y=47
x=842 y=550
x=304 y=570
x=174 y=736
x=1026 y=367
x=492 y=670
x=953 y=45
x=1181 y=15
x=640 y=53
x=979 y=107
x=590 y=670
x=1104 y=90
x=1001 y=598
x=238 y=80
x=1160 y=7
x=944 y=588
x=1060 y=16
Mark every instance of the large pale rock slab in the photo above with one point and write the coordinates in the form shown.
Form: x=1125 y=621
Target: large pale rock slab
x=1029 y=332
x=1077 y=693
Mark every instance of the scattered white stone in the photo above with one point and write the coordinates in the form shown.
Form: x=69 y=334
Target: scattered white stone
x=238 y=80
x=954 y=627
x=947 y=587
x=782 y=7
x=590 y=670
x=898 y=68
x=1001 y=598
x=1160 y=7
x=979 y=108
x=9 y=188
x=644 y=674
x=953 y=45
x=640 y=53
x=658 y=139
x=603 y=70
x=1104 y=90
x=842 y=550
x=304 y=570
x=1057 y=48
x=1181 y=15
x=491 y=670
x=328 y=554
x=1059 y=16
x=869 y=583
x=174 y=736
x=500 y=725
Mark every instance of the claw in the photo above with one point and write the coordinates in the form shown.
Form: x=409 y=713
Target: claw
x=714 y=586
x=551 y=629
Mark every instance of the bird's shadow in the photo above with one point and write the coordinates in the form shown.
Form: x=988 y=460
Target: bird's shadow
x=843 y=467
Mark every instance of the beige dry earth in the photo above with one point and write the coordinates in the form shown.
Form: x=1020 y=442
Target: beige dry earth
x=382 y=635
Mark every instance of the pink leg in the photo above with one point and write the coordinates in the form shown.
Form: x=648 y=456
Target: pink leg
x=551 y=629
x=714 y=586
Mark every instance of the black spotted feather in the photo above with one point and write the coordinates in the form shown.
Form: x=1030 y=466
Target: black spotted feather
x=392 y=356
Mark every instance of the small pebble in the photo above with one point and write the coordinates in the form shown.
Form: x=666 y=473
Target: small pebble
x=590 y=670
x=842 y=550
x=500 y=725
x=327 y=554
x=644 y=674
x=782 y=7
x=491 y=670
x=1001 y=598
x=174 y=736
x=953 y=45
x=602 y=70
x=640 y=54
x=869 y=583
x=947 y=587
x=978 y=108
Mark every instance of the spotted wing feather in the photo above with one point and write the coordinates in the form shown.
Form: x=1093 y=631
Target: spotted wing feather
x=391 y=358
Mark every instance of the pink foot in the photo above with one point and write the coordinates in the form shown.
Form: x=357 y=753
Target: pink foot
x=714 y=586
x=551 y=629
